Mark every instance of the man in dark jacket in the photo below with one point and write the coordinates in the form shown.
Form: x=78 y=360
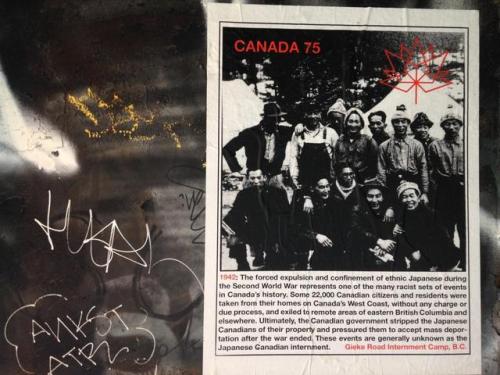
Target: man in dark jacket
x=371 y=234
x=264 y=144
x=420 y=127
x=377 y=125
x=259 y=217
x=322 y=230
x=446 y=157
x=423 y=244
x=330 y=216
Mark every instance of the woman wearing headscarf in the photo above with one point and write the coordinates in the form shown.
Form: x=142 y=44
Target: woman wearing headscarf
x=356 y=149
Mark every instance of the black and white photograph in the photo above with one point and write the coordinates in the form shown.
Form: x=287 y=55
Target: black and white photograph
x=343 y=150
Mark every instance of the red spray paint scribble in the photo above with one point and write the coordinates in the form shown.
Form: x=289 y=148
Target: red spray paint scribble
x=422 y=68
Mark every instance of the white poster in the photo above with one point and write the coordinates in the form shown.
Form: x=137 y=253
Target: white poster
x=342 y=184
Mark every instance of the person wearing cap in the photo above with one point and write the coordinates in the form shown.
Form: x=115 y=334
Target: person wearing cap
x=259 y=217
x=446 y=157
x=335 y=115
x=356 y=149
x=311 y=152
x=264 y=144
x=370 y=234
x=402 y=158
x=377 y=125
x=420 y=127
x=423 y=243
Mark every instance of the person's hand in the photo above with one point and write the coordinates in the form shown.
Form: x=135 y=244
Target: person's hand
x=389 y=215
x=308 y=205
x=397 y=230
x=239 y=175
x=456 y=268
x=407 y=263
x=324 y=240
x=233 y=240
x=295 y=183
x=424 y=199
x=299 y=128
x=416 y=255
x=386 y=245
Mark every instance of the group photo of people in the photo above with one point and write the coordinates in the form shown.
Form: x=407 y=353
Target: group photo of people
x=344 y=174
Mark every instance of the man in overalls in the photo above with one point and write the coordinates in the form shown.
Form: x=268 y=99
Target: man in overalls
x=310 y=160
x=311 y=152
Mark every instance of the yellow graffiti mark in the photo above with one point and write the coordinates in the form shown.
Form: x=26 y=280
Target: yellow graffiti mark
x=143 y=138
x=82 y=108
x=100 y=102
x=120 y=118
x=169 y=129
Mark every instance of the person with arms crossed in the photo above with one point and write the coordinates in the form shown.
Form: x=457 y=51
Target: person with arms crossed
x=447 y=162
x=402 y=158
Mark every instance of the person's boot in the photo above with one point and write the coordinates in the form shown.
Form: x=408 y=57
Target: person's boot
x=243 y=264
x=259 y=260
x=239 y=253
x=301 y=259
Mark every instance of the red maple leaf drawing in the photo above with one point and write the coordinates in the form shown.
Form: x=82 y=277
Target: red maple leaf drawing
x=422 y=69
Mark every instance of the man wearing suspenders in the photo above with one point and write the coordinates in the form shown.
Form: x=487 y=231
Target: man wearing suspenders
x=311 y=152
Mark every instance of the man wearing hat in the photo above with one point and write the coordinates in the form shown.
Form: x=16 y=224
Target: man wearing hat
x=264 y=144
x=356 y=149
x=311 y=152
x=420 y=127
x=423 y=244
x=371 y=234
x=377 y=125
x=335 y=115
x=259 y=217
x=447 y=161
x=402 y=158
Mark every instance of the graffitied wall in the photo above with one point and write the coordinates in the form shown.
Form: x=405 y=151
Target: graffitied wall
x=102 y=151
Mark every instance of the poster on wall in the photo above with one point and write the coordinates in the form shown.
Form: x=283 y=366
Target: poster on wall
x=342 y=149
